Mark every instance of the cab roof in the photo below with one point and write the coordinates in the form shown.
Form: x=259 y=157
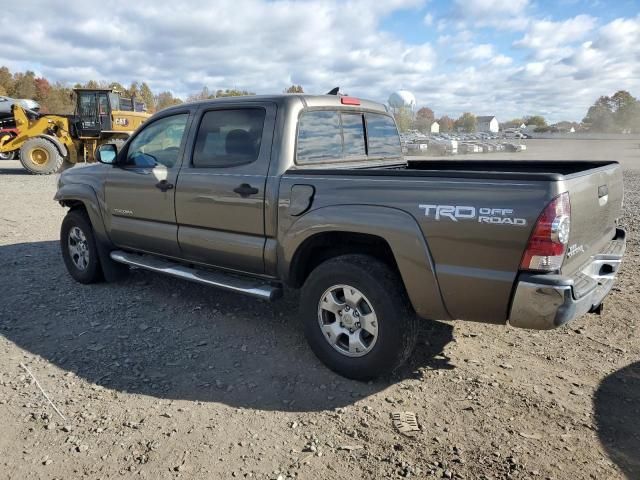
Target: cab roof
x=309 y=101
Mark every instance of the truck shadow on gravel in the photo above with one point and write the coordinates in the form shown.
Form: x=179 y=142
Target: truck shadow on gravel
x=171 y=339
x=12 y=171
x=617 y=412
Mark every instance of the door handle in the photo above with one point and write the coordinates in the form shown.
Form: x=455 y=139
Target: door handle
x=245 y=190
x=163 y=185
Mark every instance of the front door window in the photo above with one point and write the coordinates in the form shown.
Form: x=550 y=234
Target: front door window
x=158 y=144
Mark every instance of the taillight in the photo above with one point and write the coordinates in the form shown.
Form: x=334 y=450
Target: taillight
x=548 y=241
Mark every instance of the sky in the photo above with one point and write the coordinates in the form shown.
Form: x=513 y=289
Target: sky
x=507 y=58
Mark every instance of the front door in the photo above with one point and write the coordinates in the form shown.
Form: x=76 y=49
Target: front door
x=140 y=191
x=104 y=111
x=89 y=120
x=221 y=188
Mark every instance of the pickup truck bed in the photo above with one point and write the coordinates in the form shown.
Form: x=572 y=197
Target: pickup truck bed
x=476 y=264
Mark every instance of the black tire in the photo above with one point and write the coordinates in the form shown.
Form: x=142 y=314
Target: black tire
x=92 y=272
x=8 y=155
x=41 y=157
x=397 y=323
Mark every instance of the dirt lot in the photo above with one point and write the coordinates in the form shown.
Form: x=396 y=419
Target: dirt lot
x=158 y=378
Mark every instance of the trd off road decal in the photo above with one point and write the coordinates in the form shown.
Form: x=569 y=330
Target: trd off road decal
x=455 y=213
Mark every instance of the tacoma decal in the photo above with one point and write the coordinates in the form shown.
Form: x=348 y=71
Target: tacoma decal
x=574 y=250
x=455 y=213
x=120 y=211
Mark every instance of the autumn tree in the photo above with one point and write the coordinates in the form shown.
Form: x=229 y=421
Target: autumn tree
x=24 y=85
x=147 y=97
x=118 y=87
x=134 y=90
x=625 y=110
x=424 y=119
x=203 y=94
x=60 y=100
x=232 y=93
x=404 y=118
x=466 y=122
x=446 y=123
x=166 y=99
x=599 y=117
x=294 y=89
x=6 y=80
x=43 y=89
x=513 y=123
x=535 y=120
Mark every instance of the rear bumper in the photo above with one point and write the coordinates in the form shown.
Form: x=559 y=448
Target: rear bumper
x=548 y=301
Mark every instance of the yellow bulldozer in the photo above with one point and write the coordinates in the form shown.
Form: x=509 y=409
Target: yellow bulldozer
x=49 y=143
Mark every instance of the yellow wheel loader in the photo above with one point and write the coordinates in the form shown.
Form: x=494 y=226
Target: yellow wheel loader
x=48 y=143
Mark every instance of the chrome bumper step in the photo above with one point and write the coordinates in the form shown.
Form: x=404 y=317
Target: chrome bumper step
x=218 y=279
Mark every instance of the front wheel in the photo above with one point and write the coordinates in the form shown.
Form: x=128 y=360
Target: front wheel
x=41 y=157
x=79 y=250
x=357 y=317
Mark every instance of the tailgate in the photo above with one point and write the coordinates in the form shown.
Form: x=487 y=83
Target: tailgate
x=596 y=204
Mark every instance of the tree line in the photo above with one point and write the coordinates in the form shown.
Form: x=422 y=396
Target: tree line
x=56 y=97
x=617 y=113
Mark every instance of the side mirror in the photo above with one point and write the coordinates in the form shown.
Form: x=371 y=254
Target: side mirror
x=107 y=154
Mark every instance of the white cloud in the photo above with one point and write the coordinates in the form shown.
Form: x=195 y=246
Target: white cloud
x=501 y=60
x=251 y=44
x=428 y=19
x=548 y=39
x=264 y=46
x=500 y=14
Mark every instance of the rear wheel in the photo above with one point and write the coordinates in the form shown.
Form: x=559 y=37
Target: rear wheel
x=357 y=318
x=40 y=156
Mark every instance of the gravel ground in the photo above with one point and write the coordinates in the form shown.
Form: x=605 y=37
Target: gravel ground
x=165 y=379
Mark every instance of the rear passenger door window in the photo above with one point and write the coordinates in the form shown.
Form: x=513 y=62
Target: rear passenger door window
x=228 y=138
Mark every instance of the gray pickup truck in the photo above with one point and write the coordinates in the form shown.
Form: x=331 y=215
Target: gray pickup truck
x=251 y=194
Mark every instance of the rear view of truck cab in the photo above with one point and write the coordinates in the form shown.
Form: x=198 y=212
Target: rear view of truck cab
x=574 y=250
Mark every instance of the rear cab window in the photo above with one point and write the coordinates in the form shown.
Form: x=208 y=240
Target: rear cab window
x=329 y=136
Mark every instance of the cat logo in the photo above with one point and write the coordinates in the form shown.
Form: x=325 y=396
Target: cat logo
x=122 y=122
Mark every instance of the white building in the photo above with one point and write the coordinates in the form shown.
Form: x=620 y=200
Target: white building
x=435 y=127
x=487 y=123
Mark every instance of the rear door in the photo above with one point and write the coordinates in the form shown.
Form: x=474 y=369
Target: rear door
x=140 y=192
x=221 y=188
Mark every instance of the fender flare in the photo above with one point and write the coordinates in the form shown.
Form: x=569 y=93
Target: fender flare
x=75 y=192
x=399 y=229
x=59 y=145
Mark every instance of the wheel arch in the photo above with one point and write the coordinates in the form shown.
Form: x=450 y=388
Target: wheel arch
x=77 y=196
x=388 y=233
x=62 y=149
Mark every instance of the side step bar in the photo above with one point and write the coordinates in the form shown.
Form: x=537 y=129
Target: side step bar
x=219 y=279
